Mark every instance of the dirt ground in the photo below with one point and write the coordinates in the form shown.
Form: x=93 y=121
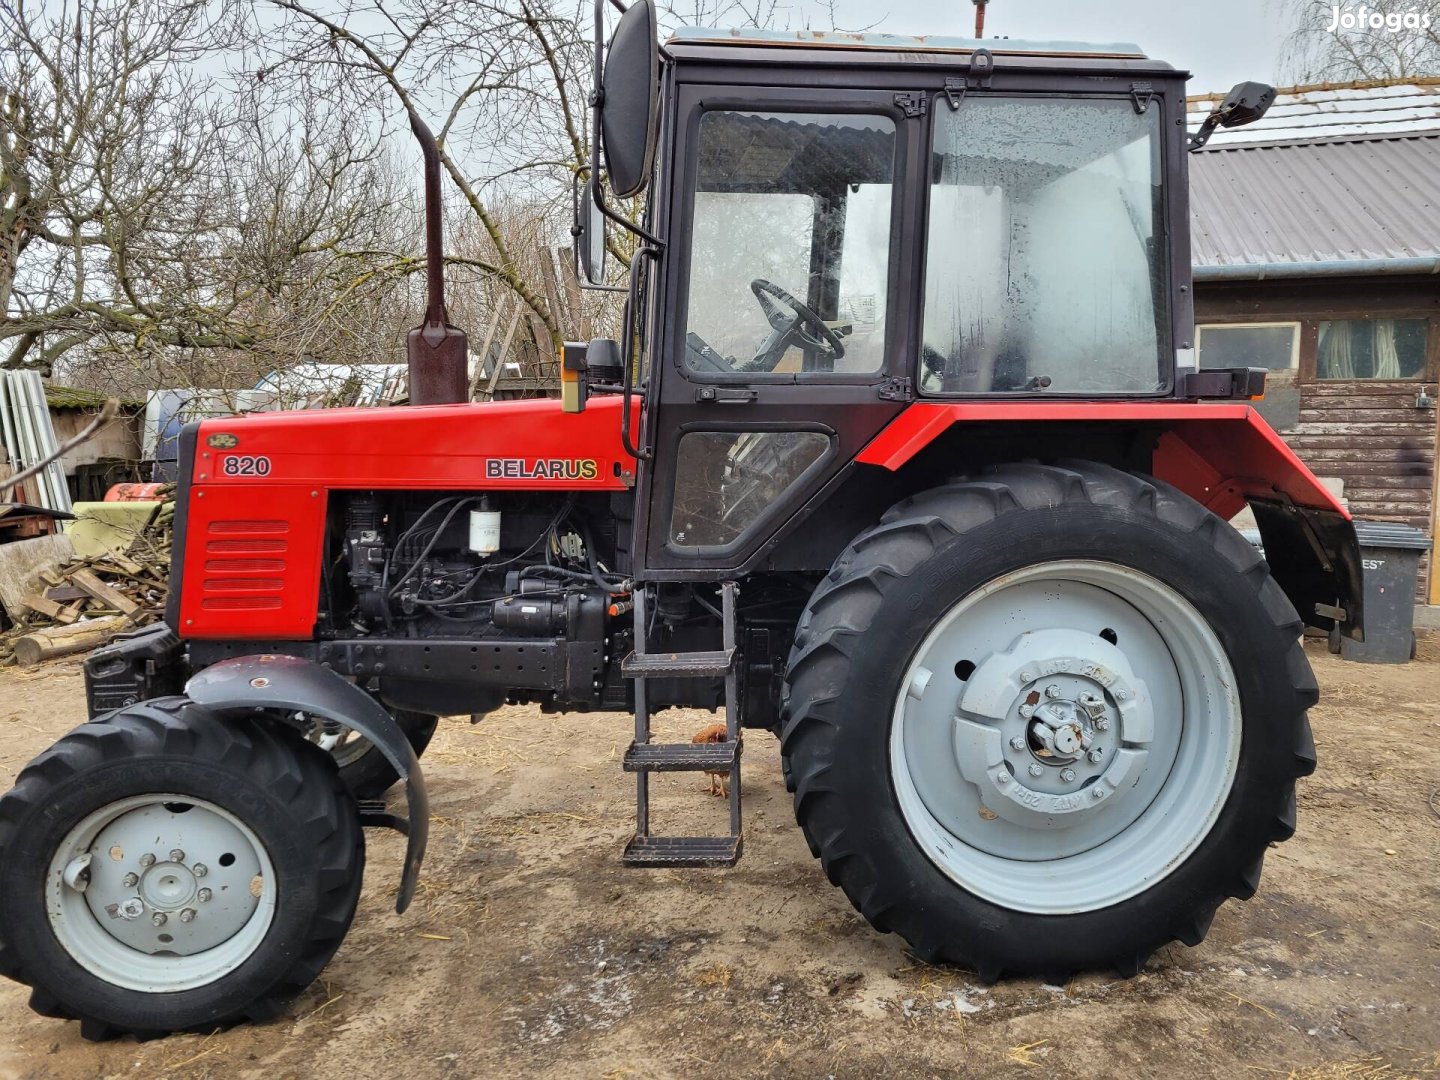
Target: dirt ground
x=531 y=952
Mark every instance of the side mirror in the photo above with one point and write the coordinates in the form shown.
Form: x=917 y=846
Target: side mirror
x=628 y=102
x=1246 y=103
x=589 y=232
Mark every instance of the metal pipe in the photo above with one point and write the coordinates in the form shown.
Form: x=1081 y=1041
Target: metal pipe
x=437 y=353
x=434 y=236
x=1324 y=268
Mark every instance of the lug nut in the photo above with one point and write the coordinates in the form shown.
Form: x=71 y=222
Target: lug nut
x=1027 y=711
x=1122 y=695
x=188 y=915
x=1052 y=691
x=1002 y=778
x=176 y=855
x=158 y=918
x=1068 y=775
x=1097 y=792
x=1102 y=724
x=130 y=880
x=1036 y=770
x=199 y=869
x=132 y=908
x=1027 y=676
x=204 y=896
x=1017 y=743
x=147 y=859
x=1097 y=755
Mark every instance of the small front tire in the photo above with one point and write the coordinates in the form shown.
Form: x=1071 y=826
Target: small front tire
x=163 y=870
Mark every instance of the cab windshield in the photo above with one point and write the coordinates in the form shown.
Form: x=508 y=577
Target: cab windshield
x=1046 y=265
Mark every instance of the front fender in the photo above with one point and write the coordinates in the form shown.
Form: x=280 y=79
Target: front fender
x=290 y=684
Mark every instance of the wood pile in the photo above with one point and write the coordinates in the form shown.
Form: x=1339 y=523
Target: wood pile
x=87 y=602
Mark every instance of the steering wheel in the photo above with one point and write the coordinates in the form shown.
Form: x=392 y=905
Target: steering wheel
x=798 y=323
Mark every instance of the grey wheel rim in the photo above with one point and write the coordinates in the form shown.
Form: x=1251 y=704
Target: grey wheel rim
x=1065 y=737
x=160 y=893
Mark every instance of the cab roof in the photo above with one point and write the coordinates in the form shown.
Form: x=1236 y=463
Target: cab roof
x=867 y=46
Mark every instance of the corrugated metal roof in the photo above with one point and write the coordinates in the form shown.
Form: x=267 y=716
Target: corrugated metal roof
x=1332 y=113
x=1335 y=179
x=840 y=39
x=1316 y=204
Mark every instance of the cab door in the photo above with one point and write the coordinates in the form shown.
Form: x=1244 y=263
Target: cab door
x=787 y=331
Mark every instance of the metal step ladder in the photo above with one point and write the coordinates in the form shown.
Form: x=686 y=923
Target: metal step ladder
x=644 y=757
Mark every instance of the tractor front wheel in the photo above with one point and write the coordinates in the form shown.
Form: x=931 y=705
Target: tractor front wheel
x=1047 y=719
x=164 y=870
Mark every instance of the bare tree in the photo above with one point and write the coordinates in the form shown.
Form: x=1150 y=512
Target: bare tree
x=164 y=224
x=508 y=82
x=1398 y=41
x=104 y=138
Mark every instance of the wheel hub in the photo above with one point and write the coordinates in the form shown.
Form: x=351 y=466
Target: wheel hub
x=1053 y=729
x=168 y=886
x=170 y=878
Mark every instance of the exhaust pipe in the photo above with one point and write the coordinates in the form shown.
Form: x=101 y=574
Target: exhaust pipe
x=436 y=352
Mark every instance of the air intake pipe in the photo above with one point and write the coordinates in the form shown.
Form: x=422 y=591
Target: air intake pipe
x=436 y=352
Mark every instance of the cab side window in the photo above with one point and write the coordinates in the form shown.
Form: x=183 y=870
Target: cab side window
x=790 y=243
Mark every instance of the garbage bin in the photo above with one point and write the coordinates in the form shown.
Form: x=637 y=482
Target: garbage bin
x=1390 y=555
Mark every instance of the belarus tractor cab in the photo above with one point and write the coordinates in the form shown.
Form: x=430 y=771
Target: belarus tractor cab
x=900 y=453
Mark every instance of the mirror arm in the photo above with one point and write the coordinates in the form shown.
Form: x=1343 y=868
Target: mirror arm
x=1202 y=135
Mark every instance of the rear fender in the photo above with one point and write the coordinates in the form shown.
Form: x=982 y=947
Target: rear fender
x=1307 y=533
x=1221 y=455
x=288 y=684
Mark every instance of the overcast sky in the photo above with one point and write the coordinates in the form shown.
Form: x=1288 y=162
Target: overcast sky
x=1220 y=41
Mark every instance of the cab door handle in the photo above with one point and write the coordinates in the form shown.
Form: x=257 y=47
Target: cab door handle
x=724 y=395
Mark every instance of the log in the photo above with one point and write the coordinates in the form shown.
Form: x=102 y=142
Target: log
x=47 y=644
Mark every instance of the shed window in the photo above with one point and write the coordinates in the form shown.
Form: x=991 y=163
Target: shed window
x=1371 y=349
x=1275 y=346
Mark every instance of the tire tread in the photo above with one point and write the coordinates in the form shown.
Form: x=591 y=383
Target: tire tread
x=835 y=622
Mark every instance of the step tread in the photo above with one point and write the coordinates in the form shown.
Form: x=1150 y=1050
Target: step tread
x=682 y=757
x=683 y=851
x=678 y=665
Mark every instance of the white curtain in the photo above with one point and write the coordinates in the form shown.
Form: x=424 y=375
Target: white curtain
x=1334 y=350
x=1387 y=357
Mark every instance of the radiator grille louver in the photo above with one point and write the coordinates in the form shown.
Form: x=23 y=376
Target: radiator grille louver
x=250 y=575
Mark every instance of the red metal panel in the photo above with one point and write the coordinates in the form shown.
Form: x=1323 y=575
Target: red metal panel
x=1218 y=454
x=503 y=445
x=252 y=561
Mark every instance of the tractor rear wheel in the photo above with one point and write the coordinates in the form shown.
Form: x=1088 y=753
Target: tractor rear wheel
x=365 y=771
x=1047 y=719
x=164 y=870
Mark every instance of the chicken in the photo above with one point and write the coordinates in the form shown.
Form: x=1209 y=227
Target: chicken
x=719 y=781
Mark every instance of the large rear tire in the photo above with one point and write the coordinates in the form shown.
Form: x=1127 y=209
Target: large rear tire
x=365 y=771
x=163 y=870
x=1047 y=719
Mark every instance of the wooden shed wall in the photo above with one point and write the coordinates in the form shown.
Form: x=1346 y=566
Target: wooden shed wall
x=1368 y=433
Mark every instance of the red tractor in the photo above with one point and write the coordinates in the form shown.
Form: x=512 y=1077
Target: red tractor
x=904 y=455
